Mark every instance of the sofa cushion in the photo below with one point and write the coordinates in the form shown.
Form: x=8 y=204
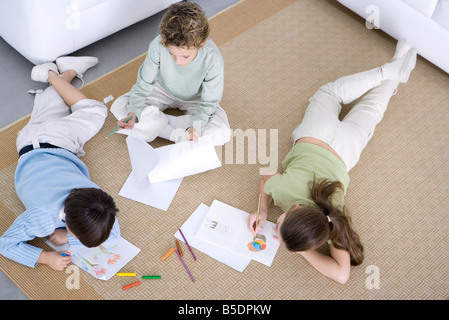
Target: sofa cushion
x=426 y=7
x=441 y=14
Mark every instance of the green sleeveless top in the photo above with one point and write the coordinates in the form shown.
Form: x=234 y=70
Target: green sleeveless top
x=302 y=162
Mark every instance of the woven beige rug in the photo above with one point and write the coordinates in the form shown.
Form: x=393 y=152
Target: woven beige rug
x=277 y=54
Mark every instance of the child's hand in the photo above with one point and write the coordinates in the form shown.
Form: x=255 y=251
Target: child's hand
x=54 y=259
x=58 y=237
x=252 y=222
x=192 y=135
x=130 y=123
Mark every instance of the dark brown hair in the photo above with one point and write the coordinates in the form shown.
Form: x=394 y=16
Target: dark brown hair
x=308 y=227
x=90 y=214
x=184 y=25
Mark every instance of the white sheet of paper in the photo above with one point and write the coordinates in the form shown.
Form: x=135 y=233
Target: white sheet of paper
x=104 y=261
x=226 y=225
x=222 y=225
x=158 y=195
x=184 y=159
x=189 y=228
x=143 y=157
x=246 y=237
x=173 y=161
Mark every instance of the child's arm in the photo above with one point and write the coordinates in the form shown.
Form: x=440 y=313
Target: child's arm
x=211 y=94
x=54 y=259
x=337 y=266
x=264 y=202
x=146 y=78
x=30 y=224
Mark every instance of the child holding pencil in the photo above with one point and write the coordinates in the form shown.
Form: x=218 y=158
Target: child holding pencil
x=183 y=69
x=315 y=180
x=51 y=181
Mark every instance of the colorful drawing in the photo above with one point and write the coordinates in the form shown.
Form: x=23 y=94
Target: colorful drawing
x=103 y=261
x=113 y=258
x=99 y=271
x=259 y=243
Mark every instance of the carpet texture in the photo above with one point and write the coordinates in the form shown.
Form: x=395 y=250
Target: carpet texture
x=277 y=54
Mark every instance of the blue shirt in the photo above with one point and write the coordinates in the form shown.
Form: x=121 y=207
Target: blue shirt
x=43 y=180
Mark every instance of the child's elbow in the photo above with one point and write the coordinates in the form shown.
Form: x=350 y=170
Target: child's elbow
x=342 y=277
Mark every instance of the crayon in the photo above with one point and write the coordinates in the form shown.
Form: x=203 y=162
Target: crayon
x=126 y=274
x=167 y=254
x=64 y=254
x=131 y=285
x=151 y=277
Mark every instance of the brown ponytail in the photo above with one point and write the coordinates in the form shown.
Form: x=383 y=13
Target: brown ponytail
x=309 y=227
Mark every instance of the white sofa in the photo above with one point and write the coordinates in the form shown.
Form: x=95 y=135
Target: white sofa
x=42 y=30
x=425 y=23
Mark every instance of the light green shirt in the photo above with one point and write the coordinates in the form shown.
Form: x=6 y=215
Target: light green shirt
x=301 y=163
x=205 y=75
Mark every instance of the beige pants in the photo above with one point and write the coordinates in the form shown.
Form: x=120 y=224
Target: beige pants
x=53 y=121
x=153 y=122
x=349 y=136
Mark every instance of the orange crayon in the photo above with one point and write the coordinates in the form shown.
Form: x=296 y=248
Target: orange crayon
x=167 y=254
x=131 y=285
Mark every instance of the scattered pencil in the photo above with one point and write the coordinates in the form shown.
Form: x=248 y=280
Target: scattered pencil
x=131 y=285
x=257 y=216
x=126 y=274
x=118 y=127
x=185 y=266
x=185 y=240
x=178 y=246
x=167 y=254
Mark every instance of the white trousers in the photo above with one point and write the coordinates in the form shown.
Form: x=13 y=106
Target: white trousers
x=153 y=122
x=349 y=136
x=53 y=121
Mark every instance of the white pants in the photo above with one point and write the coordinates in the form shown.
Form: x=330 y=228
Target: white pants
x=53 y=121
x=153 y=122
x=349 y=136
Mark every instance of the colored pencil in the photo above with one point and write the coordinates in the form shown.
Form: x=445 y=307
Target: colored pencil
x=185 y=240
x=118 y=127
x=126 y=274
x=178 y=246
x=257 y=215
x=131 y=285
x=167 y=254
x=185 y=266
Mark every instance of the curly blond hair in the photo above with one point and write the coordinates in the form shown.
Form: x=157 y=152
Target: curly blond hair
x=184 y=25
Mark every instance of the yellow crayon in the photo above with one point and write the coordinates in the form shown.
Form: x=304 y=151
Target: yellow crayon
x=125 y=274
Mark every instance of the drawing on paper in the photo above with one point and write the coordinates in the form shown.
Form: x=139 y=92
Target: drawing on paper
x=219 y=227
x=103 y=261
x=106 y=254
x=258 y=244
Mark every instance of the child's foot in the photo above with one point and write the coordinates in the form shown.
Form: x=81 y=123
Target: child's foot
x=401 y=48
x=400 y=69
x=77 y=64
x=40 y=72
